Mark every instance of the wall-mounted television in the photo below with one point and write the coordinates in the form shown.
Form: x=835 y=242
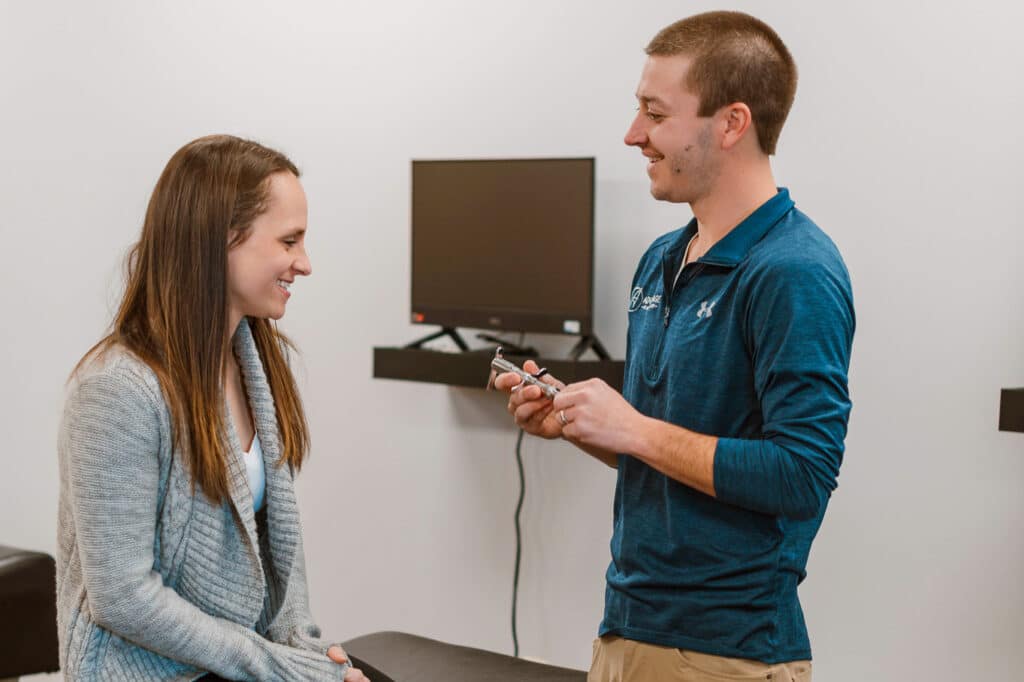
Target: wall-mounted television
x=504 y=244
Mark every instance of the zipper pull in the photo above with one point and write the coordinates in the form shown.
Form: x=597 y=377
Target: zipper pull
x=668 y=311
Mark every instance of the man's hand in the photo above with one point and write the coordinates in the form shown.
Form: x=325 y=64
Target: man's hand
x=528 y=404
x=597 y=416
x=338 y=655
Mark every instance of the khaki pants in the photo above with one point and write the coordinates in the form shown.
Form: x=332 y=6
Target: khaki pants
x=624 y=660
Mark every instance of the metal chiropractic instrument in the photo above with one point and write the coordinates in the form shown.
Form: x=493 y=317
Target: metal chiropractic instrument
x=500 y=365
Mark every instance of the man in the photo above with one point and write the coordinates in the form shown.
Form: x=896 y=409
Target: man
x=729 y=432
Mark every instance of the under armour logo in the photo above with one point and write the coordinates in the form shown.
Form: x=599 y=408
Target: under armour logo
x=705 y=309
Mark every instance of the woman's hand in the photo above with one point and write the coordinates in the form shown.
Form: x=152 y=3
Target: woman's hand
x=338 y=655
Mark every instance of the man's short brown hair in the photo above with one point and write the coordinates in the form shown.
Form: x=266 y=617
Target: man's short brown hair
x=736 y=58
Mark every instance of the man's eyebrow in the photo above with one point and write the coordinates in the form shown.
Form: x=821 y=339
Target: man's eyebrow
x=651 y=99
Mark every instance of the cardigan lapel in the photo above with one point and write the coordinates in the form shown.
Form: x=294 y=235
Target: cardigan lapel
x=282 y=509
x=238 y=488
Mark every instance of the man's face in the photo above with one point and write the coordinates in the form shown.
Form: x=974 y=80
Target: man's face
x=682 y=159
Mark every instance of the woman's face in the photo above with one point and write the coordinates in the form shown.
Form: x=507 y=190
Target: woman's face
x=263 y=267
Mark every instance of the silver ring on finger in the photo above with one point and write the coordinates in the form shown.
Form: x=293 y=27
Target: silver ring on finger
x=561 y=418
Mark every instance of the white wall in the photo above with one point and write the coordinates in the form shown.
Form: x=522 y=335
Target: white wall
x=903 y=144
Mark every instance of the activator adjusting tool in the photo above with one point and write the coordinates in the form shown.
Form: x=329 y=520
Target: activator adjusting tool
x=500 y=365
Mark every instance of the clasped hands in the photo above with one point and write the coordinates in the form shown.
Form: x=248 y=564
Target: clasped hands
x=588 y=413
x=338 y=655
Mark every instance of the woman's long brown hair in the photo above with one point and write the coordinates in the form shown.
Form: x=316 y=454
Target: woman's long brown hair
x=175 y=307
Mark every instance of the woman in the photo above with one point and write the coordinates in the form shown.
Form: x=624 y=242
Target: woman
x=180 y=551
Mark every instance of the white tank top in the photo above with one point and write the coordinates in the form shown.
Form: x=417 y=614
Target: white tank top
x=257 y=474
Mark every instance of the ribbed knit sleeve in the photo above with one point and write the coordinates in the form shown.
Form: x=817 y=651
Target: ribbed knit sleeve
x=110 y=442
x=294 y=624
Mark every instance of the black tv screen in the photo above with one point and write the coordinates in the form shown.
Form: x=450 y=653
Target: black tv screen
x=505 y=244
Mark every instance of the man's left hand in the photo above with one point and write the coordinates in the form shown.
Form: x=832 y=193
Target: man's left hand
x=596 y=415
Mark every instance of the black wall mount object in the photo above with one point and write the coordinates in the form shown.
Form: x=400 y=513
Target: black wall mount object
x=1011 y=410
x=472 y=368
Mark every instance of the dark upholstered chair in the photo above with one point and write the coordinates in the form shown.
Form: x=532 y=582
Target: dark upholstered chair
x=28 y=638
x=409 y=658
x=28 y=613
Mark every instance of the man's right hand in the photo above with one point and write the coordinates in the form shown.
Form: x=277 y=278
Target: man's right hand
x=530 y=407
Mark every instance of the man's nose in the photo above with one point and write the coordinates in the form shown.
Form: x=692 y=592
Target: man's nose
x=636 y=136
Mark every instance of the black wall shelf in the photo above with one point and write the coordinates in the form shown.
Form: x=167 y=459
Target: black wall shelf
x=1011 y=410
x=471 y=368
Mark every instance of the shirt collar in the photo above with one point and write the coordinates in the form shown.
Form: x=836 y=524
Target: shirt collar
x=734 y=246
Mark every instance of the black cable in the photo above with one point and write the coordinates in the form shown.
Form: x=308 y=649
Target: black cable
x=519 y=542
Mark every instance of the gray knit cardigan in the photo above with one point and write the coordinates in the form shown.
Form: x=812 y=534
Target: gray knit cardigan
x=155 y=582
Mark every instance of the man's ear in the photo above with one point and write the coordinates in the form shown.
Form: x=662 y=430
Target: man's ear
x=736 y=123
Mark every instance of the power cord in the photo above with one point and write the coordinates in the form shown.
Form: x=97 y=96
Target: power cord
x=519 y=533
x=519 y=542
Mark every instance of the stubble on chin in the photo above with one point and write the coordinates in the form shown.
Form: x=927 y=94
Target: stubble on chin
x=677 y=189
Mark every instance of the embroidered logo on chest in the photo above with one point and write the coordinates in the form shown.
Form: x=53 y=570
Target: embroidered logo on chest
x=634 y=299
x=705 y=309
x=637 y=300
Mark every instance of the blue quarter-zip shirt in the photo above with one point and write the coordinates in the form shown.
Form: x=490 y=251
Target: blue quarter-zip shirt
x=752 y=345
